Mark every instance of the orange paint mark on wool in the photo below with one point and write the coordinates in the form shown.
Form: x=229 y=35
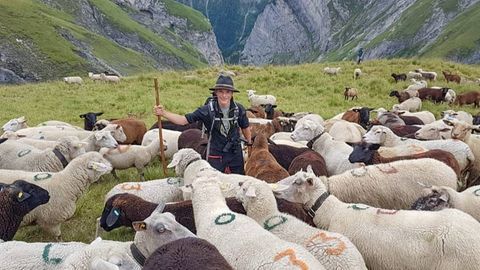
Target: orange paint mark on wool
x=131 y=187
x=335 y=251
x=292 y=257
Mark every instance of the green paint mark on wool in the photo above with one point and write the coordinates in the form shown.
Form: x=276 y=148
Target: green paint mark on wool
x=273 y=222
x=224 y=218
x=23 y=152
x=477 y=192
x=45 y=255
x=42 y=176
x=173 y=181
x=358 y=207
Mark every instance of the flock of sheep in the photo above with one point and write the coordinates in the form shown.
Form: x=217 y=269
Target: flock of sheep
x=396 y=191
x=104 y=76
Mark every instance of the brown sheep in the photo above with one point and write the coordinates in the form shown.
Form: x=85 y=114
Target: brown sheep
x=437 y=95
x=192 y=138
x=406 y=131
x=449 y=77
x=257 y=111
x=360 y=116
x=134 y=129
x=285 y=154
x=401 y=96
x=468 y=98
x=309 y=157
x=261 y=164
x=350 y=92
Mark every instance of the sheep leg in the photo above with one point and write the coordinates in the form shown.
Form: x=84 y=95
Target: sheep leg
x=98 y=228
x=114 y=173
x=141 y=173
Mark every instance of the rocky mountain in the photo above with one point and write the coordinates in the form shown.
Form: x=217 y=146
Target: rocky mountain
x=293 y=31
x=49 y=39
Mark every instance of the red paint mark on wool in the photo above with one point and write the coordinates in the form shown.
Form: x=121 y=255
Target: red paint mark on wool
x=336 y=251
x=131 y=187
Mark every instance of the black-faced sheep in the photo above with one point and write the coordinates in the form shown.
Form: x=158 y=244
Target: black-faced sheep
x=90 y=119
x=399 y=77
x=187 y=253
x=16 y=200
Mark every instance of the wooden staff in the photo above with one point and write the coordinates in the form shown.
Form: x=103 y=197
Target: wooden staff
x=159 y=124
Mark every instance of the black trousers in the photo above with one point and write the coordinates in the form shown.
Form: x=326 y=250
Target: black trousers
x=227 y=162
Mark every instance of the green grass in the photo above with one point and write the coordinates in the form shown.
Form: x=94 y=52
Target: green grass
x=297 y=88
x=195 y=18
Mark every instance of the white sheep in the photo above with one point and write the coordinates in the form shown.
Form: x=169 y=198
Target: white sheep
x=357 y=73
x=241 y=241
x=332 y=71
x=73 y=80
x=426 y=116
x=450 y=96
x=403 y=150
x=64 y=188
x=430 y=240
x=94 y=77
x=259 y=100
x=156 y=230
x=94 y=142
x=333 y=250
x=170 y=136
x=345 y=131
x=385 y=137
x=437 y=130
x=109 y=78
x=414 y=75
x=57 y=124
x=431 y=75
x=460 y=115
x=334 y=152
x=412 y=104
x=127 y=156
x=15 y=124
x=155 y=191
x=19 y=156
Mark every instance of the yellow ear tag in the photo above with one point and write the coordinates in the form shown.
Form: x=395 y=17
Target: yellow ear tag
x=20 y=195
x=143 y=226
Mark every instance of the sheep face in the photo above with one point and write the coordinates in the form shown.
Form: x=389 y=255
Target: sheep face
x=159 y=229
x=15 y=124
x=460 y=129
x=94 y=164
x=181 y=159
x=305 y=131
x=363 y=152
x=26 y=196
x=105 y=139
x=90 y=119
x=71 y=147
x=117 y=132
x=100 y=124
x=112 y=214
x=376 y=135
x=300 y=187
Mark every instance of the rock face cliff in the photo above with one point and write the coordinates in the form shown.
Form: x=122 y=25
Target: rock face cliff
x=50 y=39
x=295 y=31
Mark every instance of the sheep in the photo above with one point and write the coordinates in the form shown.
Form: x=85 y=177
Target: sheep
x=187 y=253
x=155 y=191
x=425 y=116
x=138 y=156
x=463 y=131
x=331 y=71
x=466 y=201
x=412 y=89
x=272 y=113
x=431 y=240
x=407 y=131
x=345 y=131
x=123 y=209
x=350 y=92
x=399 y=77
x=412 y=105
x=237 y=236
x=368 y=154
x=134 y=129
x=15 y=155
x=385 y=137
x=401 y=96
x=258 y=111
x=437 y=130
x=409 y=119
x=64 y=187
x=334 y=152
x=360 y=116
x=357 y=73
x=284 y=154
x=388 y=119
x=109 y=78
x=45 y=256
x=15 y=124
x=308 y=158
x=459 y=115
x=449 y=77
x=94 y=77
x=16 y=200
x=170 y=136
x=414 y=75
x=261 y=164
x=158 y=229
x=333 y=250
x=195 y=139
x=259 y=100
x=428 y=75
x=73 y=80
x=89 y=119
x=471 y=97
x=437 y=95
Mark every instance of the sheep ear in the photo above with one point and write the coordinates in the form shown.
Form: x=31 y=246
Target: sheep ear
x=139 y=226
x=174 y=162
x=448 y=122
x=22 y=119
x=309 y=169
x=82 y=115
x=22 y=196
x=98 y=136
x=444 y=197
x=99 y=113
x=113 y=217
x=251 y=192
x=160 y=207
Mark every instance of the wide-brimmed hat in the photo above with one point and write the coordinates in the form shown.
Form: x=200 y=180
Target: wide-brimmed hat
x=224 y=82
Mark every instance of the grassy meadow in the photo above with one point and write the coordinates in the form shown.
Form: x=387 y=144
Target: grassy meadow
x=297 y=88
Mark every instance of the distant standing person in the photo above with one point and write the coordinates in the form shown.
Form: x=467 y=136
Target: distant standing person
x=359 y=55
x=223 y=119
